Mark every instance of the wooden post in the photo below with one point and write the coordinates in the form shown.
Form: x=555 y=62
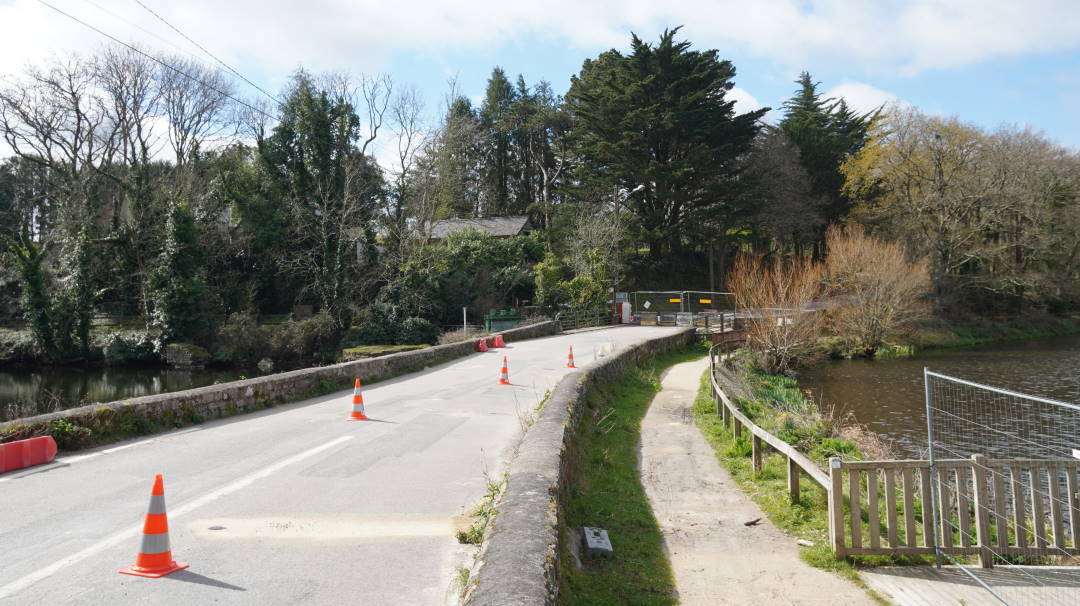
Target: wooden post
x=755 y=444
x=982 y=507
x=836 y=507
x=736 y=429
x=793 y=479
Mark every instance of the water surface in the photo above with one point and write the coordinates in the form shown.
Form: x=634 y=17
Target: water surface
x=889 y=397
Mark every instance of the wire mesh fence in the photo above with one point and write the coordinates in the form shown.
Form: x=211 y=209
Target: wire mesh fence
x=1005 y=485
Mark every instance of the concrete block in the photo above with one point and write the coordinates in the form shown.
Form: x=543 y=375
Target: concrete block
x=597 y=543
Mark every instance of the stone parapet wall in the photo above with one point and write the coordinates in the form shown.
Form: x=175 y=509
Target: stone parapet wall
x=214 y=401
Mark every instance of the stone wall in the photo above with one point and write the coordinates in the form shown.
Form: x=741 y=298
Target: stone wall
x=518 y=561
x=145 y=414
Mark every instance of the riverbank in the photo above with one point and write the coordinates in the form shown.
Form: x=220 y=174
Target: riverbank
x=982 y=331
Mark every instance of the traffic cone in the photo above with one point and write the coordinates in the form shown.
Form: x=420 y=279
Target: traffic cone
x=481 y=345
x=504 y=376
x=570 y=358
x=155 y=556
x=499 y=341
x=357 y=404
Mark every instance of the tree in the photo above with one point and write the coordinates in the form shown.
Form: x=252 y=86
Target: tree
x=332 y=192
x=496 y=122
x=181 y=306
x=787 y=214
x=878 y=291
x=826 y=132
x=659 y=117
x=778 y=294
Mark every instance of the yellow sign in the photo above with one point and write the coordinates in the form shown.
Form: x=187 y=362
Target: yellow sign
x=674 y=300
x=706 y=301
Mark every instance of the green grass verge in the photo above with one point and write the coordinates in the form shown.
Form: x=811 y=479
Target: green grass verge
x=604 y=489
x=373 y=351
x=807 y=519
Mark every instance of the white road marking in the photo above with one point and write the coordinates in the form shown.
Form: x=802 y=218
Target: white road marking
x=18 y=585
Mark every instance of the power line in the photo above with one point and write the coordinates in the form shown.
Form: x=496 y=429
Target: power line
x=158 y=61
x=200 y=47
x=139 y=27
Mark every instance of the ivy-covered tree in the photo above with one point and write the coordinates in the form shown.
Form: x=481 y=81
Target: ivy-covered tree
x=660 y=117
x=181 y=305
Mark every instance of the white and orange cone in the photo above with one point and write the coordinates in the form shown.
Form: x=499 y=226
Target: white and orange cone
x=155 y=554
x=504 y=376
x=357 y=404
x=570 y=358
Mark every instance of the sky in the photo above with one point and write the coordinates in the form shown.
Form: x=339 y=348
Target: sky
x=990 y=62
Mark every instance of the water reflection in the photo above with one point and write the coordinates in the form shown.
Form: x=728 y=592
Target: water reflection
x=888 y=395
x=25 y=392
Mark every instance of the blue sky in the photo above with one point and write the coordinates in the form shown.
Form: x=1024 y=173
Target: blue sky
x=990 y=62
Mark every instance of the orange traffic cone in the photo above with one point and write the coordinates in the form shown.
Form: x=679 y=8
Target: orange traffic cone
x=570 y=358
x=504 y=376
x=499 y=341
x=481 y=345
x=357 y=404
x=155 y=556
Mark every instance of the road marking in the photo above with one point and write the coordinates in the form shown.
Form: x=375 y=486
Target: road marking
x=18 y=585
x=77 y=458
x=321 y=528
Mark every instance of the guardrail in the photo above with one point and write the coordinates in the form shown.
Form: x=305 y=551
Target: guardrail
x=574 y=319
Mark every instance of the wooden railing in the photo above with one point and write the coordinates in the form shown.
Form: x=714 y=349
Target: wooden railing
x=988 y=506
x=732 y=417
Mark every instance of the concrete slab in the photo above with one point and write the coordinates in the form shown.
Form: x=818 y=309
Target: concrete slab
x=950 y=586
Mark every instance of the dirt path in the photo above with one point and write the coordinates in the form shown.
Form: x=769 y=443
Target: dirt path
x=716 y=558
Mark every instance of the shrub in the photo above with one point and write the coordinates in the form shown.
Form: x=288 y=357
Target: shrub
x=69 y=436
x=127 y=346
x=377 y=324
x=241 y=339
x=18 y=346
x=417 y=331
x=315 y=337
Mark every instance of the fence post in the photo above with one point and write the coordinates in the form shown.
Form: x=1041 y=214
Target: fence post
x=982 y=504
x=836 y=507
x=793 y=479
x=755 y=452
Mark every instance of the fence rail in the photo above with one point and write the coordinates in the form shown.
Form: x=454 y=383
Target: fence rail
x=574 y=319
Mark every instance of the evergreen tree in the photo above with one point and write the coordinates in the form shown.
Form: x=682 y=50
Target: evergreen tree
x=826 y=131
x=497 y=124
x=659 y=117
x=181 y=307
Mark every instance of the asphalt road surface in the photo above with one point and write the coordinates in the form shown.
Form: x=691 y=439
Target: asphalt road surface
x=292 y=504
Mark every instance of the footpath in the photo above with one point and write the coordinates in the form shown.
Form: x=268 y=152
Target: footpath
x=716 y=558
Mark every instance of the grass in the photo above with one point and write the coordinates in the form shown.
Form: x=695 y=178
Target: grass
x=604 y=489
x=807 y=519
x=373 y=351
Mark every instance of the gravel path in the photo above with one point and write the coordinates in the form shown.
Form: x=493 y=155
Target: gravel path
x=716 y=558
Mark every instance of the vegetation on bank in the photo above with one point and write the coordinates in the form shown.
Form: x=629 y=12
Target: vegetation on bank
x=604 y=489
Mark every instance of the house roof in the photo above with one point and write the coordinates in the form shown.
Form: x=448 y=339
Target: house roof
x=496 y=226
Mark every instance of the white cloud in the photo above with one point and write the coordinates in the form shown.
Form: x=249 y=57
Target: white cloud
x=863 y=97
x=361 y=35
x=744 y=101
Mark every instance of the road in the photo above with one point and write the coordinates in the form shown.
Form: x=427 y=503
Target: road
x=292 y=504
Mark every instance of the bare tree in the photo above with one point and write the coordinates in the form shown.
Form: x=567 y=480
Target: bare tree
x=195 y=102
x=376 y=91
x=877 y=291
x=778 y=294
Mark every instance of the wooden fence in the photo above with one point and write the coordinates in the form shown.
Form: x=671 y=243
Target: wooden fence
x=989 y=506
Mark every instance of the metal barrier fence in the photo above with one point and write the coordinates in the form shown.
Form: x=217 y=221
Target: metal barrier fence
x=1015 y=498
x=674 y=301
x=572 y=319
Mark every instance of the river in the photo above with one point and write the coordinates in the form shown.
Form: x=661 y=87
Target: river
x=888 y=395
x=26 y=392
